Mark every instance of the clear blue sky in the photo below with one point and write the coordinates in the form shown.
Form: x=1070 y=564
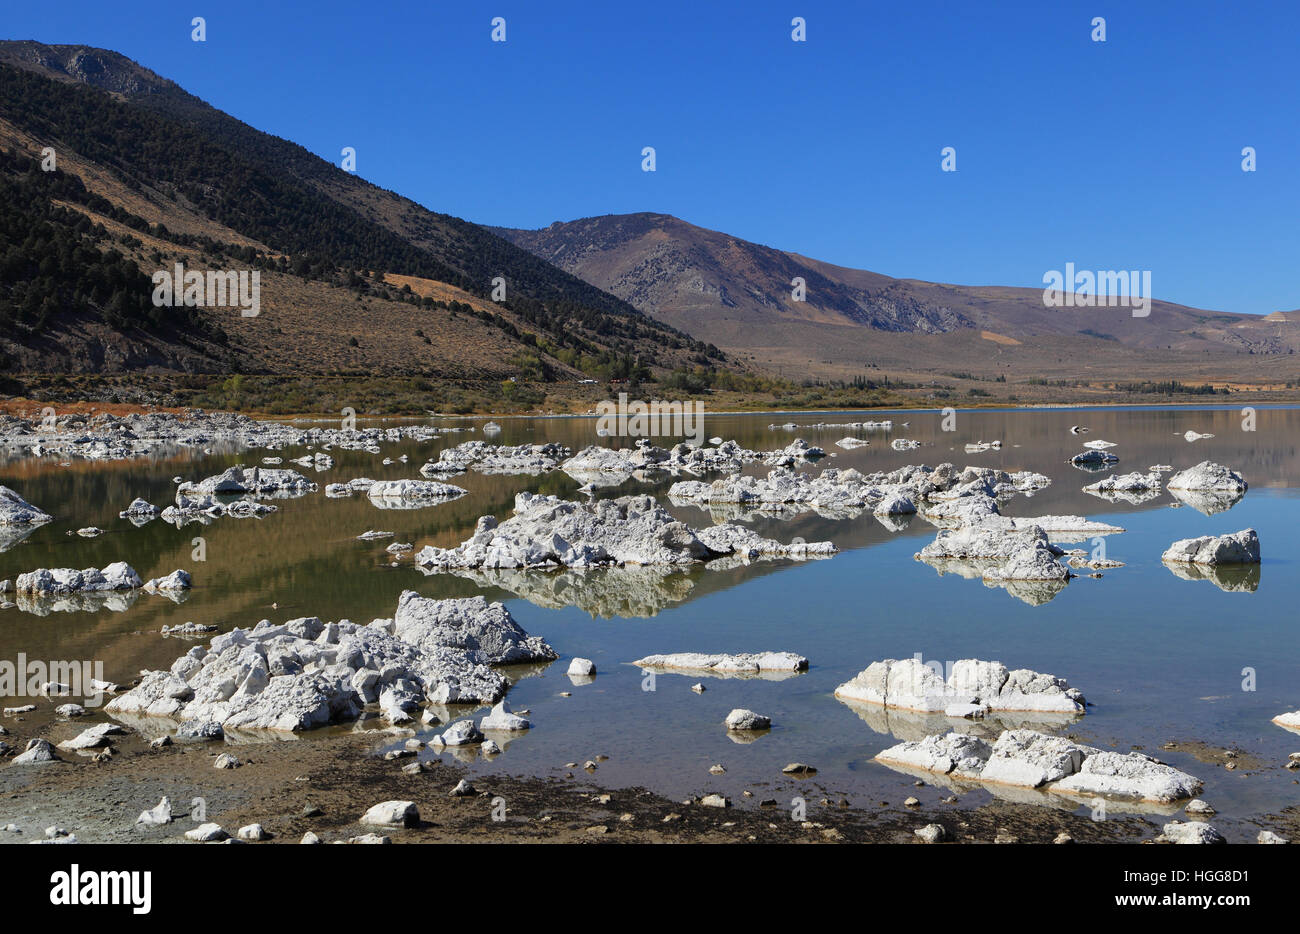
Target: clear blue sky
x=1117 y=155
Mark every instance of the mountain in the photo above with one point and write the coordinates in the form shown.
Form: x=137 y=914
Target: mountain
x=738 y=295
x=354 y=279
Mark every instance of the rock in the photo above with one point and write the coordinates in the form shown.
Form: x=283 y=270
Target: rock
x=139 y=510
x=799 y=768
x=486 y=631
x=370 y=838
x=253 y=833
x=1238 y=548
x=1210 y=477
x=1290 y=721
x=14 y=510
x=715 y=801
x=1094 y=459
x=38 y=752
x=226 y=761
x=93 y=737
x=1267 y=836
x=70 y=710
x=489 y=748
x=912 y=802
x=1029 y=759
x=1194 y=832
x=160 y=814
x=726 y=665
x=1063 y=837
x=548 y=532
x=309 y=838
x=195 y=729
x=462 y=733
x=503 y=718
x=206 y=833
x=742 y=720
x=392 y=814
x=399 y=493
x=582 y=668
x=972 y=686
x=175 y=581
x=188 y=629
x=49 y=582
x=463 y=789
x=717 y=770
x=932 y=833
x=1197 y=806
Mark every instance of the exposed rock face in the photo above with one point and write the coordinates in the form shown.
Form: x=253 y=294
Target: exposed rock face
x=1029 y=759
x=1238 y=548
x=548 y=532
x=1210 y=477
x=55 y=581
x=14 y=510
x=496 y=459
x=306 y=673
x=726 y=666
x=912 y=685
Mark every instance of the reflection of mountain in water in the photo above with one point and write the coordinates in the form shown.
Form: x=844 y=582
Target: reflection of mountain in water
x=606 y=592
x=1235 y=578
x=1035 y=593
x=1208 y=502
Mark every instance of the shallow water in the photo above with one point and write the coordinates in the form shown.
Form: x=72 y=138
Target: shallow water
x=1160 y=658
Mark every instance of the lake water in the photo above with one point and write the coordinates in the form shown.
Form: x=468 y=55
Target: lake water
x=1161 y=658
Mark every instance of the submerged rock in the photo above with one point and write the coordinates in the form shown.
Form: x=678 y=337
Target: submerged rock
x=1237 y=548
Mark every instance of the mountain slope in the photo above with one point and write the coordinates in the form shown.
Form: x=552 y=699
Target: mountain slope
x=737 y=295
x=185 y=182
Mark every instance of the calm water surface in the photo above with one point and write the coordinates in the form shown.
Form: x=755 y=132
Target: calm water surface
x=1161 y=658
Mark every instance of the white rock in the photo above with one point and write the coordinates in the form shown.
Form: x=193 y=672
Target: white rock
x=1192 y=832
x=502 y=718
x=725 y=665
x=206 y=833
x=161 y=814
x=392 y=814
x=742 y=719
x=253 y=833
x=582 y=668
x=1238 y=548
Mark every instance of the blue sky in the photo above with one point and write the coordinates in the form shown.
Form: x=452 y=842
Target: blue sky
x=1117 y=155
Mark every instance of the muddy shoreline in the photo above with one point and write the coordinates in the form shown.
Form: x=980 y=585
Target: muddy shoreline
x=324 y=785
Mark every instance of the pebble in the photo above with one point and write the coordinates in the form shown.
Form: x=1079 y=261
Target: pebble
x=932 y=833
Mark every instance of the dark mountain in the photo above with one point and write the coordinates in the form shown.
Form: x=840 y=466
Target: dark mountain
x=149 y=175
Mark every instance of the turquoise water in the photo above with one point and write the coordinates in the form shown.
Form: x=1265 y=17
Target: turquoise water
x=1160 y=658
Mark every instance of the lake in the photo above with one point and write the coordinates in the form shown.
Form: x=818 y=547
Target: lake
x=1161 y=658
